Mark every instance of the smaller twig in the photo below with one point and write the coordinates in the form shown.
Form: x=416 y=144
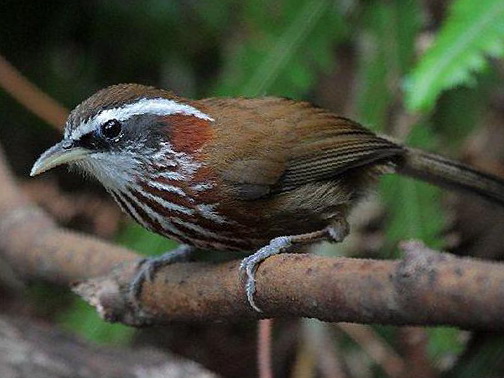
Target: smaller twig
x=375 y=347
x=99 y=216
x=328 y=358
x=304 y=364
x=30 y=96
x=264 y=350
x=413 y=342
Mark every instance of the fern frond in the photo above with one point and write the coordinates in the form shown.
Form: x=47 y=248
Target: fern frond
x=473 y=31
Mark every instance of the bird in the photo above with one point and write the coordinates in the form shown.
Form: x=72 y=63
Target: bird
x=262 y=175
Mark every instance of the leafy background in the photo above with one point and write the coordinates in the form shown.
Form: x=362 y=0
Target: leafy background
x=426 y=72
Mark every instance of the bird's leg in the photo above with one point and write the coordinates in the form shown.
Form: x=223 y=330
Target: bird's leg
x=338 y=230
x=150 y=265
x=283 y=244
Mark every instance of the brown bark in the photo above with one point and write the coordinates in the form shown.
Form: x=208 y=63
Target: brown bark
x=425 y=288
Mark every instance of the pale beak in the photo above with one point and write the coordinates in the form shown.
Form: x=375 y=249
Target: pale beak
x=62 y=153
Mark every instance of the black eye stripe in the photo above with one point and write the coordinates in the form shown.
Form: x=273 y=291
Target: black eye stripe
x=111 y=129
x=87 y=140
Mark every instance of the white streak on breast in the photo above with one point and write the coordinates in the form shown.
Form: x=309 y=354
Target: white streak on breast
x=166 y=187
x=163 y=221
x=201 y=187
x=208 y=212
x=206 y=233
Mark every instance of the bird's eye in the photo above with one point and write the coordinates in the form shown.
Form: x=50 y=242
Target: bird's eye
x=111 y=129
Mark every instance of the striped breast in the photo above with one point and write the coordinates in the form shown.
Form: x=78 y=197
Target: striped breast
x=175 y=197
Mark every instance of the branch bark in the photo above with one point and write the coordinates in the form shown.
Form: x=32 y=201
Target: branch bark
x=424 y=288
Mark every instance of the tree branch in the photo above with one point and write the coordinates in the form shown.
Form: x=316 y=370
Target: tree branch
x=425 y=288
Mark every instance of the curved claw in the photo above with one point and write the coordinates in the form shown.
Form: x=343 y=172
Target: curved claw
x=251 y=263
x=251 y=289
x=250 y=267
x=137 y=283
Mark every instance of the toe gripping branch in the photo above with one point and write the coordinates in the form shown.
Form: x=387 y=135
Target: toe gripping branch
x=284 y=244
x=150 y=265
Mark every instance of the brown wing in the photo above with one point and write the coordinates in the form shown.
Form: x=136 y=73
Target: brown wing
x=348 y=146
x=272 y=145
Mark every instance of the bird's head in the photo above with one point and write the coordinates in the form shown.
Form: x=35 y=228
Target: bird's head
x=120 y=131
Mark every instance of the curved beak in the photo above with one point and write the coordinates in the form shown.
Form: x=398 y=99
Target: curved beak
x=62 y=153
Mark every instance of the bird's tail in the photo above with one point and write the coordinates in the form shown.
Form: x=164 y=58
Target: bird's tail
x=450 y=174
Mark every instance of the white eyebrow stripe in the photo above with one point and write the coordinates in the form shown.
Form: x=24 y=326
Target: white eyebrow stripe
x=156 y=106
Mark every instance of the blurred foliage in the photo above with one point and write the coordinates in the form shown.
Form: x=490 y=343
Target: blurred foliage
x=472 y=30
x=85 y=321
x=287 y=44
x=258 y=47
x=135 y=237
x=386 y=45
x=418 y=215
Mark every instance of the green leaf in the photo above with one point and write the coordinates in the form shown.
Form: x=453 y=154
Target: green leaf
x=484 y=358
x=472 y=30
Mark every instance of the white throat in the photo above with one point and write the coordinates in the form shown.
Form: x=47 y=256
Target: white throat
x=122 y=170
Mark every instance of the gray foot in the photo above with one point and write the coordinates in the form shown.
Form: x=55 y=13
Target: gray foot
x=149 y=266
x=335 y=233
x=249 y=264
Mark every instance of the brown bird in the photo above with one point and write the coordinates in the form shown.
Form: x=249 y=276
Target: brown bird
x=238 y=174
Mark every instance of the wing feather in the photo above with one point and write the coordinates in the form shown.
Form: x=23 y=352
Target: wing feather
x=307 y=144
x=328 y=165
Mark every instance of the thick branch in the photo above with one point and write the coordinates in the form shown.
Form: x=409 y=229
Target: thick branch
x=426 y=288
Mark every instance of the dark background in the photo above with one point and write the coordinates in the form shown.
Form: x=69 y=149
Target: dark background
x=363 y=59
